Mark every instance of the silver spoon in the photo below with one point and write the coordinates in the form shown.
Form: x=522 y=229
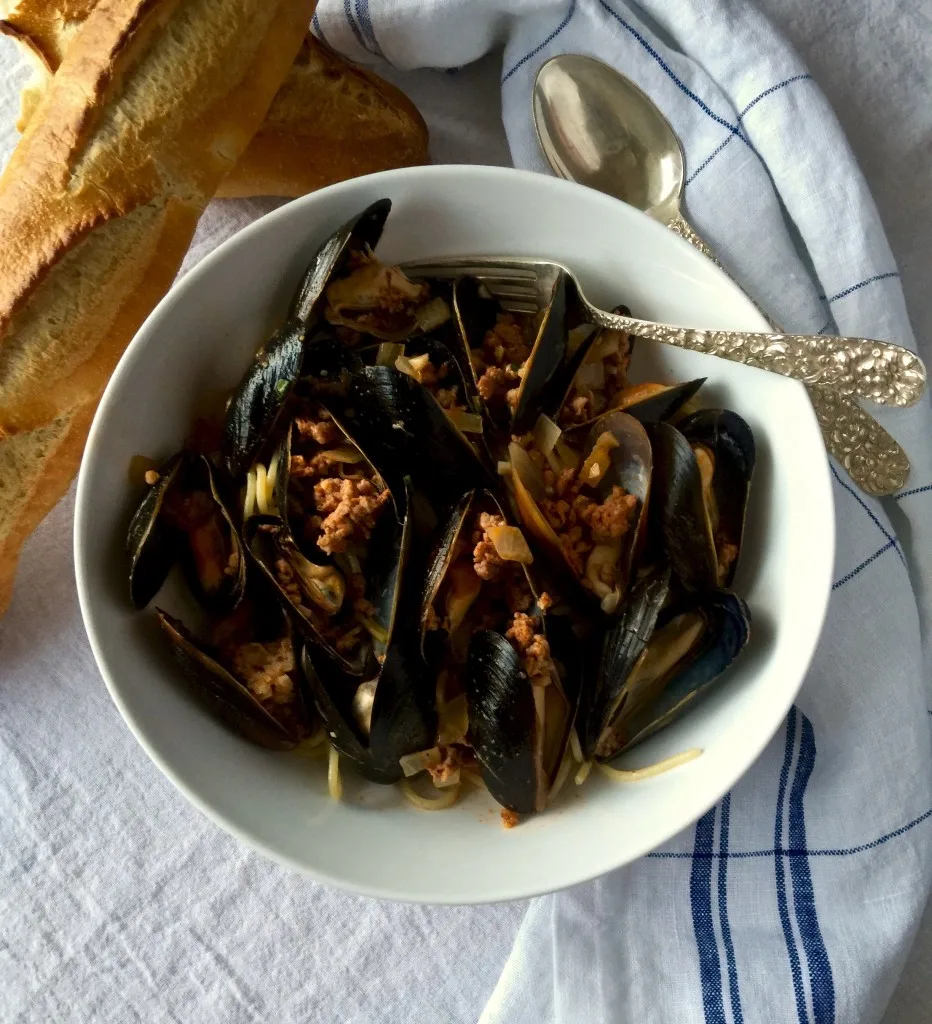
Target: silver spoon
x=599 y=129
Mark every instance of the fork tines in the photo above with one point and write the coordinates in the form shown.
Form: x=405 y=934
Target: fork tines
x=516 y=288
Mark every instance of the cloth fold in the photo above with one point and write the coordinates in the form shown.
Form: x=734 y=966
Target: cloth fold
x=795 y=899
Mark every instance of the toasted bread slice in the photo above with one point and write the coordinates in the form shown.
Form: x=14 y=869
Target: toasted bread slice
x=329 y=121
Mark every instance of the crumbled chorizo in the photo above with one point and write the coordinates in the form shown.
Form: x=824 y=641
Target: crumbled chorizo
x=319 y=428
x=351 y=508
x=264 y=669
x=532 y=646
x=504 y=343
x=610 y=519
x=509 y=818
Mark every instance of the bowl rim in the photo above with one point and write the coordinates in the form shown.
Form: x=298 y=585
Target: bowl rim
x=83 y=505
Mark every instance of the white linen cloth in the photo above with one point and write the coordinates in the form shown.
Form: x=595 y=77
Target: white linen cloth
x=795 y=900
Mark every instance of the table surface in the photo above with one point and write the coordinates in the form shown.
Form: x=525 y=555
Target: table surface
x=873 y=59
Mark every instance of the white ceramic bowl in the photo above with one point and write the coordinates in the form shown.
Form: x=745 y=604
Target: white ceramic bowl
x=200 y=339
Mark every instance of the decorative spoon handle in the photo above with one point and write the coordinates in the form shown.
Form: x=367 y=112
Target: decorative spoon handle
x=885 y=373
x=873 y=459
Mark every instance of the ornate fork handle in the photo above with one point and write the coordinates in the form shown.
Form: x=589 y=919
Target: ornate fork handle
x=882 y=372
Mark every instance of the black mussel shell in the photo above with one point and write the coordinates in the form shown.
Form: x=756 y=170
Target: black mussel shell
x=261 y=395
x=229 y=699
x=503 y=723
x=210 y=553
x=650 y=403
x=612 y=654
x=728 y=439
x=653 y=704
x=678 y=513
x=152 y=545
x=407 y=432
x=329 y=365
x=360 y=234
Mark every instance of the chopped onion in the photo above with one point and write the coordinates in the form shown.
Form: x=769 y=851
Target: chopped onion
x=403 y=363
x=602 y=556
x=432 y=314
x=420 y=362
x=467 y=422
x=510 y=544
x=373 y=628
x=389 y=351
x=568 y=458
x=504 y=468
x=546 y=434
x=454 y=721
x=596 y=465
x=583 y=773
x=610 y=601
x=363 y=700
x=453 y=779
x=649 y=771
x=419 y=761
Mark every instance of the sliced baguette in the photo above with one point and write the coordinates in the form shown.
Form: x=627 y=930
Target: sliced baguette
x=153 y=104
x=329 y=121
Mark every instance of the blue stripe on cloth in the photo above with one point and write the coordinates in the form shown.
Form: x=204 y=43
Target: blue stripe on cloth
x=767 y=92
x=780 y=871
x=733 y=128
x=915 y=490
x=862 y=284
x=318 y=31
x=846 y=851
x=700 y=896
x=859 y=568
x=553 y=35
x=857 y=497
x=351 y=21
x=736 y=1014
x=821 y=982
x=365 y=23
x=828 y=324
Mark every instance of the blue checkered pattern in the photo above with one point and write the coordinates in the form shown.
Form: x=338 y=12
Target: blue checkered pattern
x=795 y=899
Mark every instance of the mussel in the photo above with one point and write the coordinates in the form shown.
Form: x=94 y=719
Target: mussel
x=482 y=623
x=653 y=661
x=584 y=496
x=183 y=518
x=701 y=487
x=267 y=385
x=247 y=673
x=331 y=538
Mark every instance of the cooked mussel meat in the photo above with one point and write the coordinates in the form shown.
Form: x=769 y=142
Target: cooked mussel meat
x=584 y=496
x=183 y=518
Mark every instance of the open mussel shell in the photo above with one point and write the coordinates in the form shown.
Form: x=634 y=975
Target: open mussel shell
x=630 y=467
x=260 y=396
x=724 y=446
x=151 y=544
x=360 y=234
x=685 y=657
x=678 y=510
x=612 y=655
x=316 y=591
x=184 y=518
x=650 y=403
x=229 y=699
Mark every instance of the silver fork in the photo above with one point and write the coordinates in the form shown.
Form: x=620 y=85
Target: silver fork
x=876 y=370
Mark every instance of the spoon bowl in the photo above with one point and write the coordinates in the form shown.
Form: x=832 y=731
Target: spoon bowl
x=598 y=128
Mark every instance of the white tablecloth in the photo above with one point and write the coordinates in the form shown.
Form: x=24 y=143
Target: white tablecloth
x=99 y=912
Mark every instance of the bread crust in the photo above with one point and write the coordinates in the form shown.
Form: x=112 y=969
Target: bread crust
x=153 y=104
x=330 y=121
